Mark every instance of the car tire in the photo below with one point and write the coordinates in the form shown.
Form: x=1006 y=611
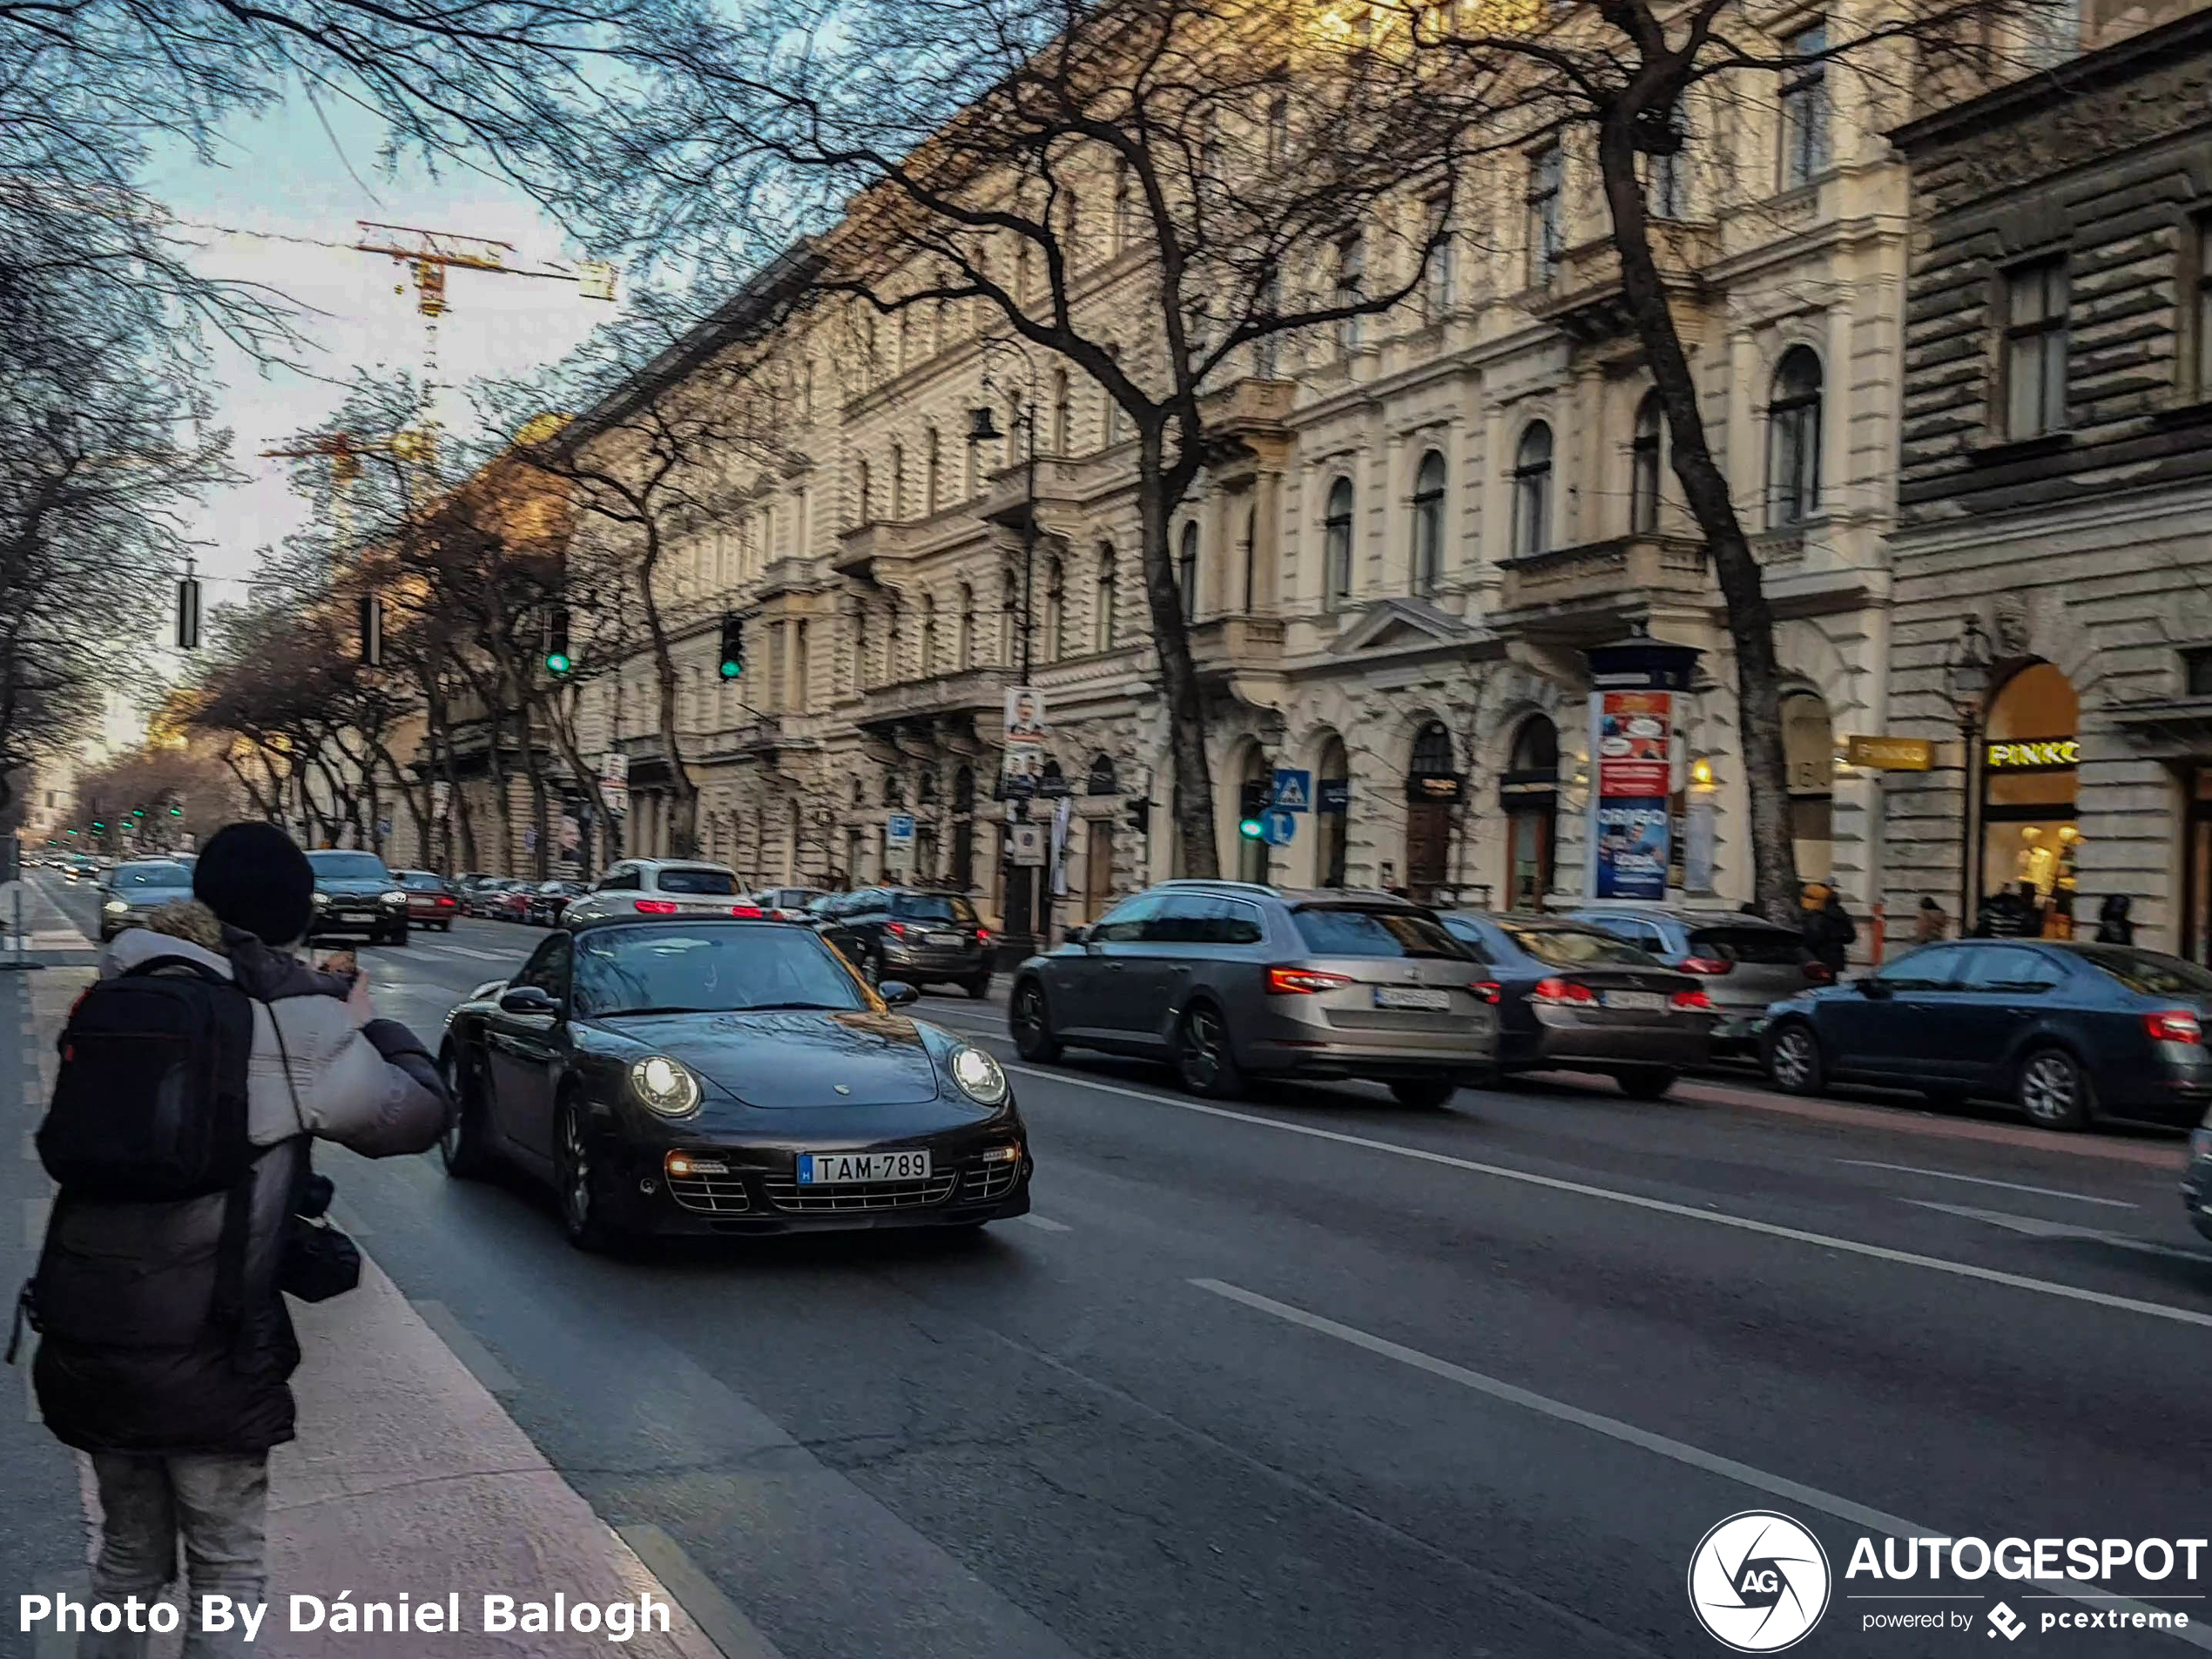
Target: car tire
x=445 y=927
x=979 y=987
x=1794 y=1063
x=575 y=1182
x=1646 y=1083
x=1205 y=1059
x=398 y=936
x=1029 y=1018
x=2055 y=1091
x=460 y=1148
x=1427 y=1094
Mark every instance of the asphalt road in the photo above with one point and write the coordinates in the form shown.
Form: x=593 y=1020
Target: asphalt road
x=1318 y=1375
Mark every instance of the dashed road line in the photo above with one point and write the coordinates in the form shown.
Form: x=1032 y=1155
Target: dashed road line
x=1985 y=1181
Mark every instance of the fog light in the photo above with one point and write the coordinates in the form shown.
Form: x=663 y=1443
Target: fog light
x=1003 y=1154
x=681 y=1164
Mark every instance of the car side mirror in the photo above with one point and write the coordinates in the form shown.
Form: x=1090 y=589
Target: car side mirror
x=1077 y=935
x=1869 y=985
x=897 y=994
x=527 y=999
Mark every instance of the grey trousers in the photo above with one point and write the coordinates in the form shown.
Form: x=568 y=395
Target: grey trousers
x=219 y=1506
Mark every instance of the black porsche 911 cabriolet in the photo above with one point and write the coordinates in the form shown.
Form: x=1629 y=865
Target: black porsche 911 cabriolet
x=698 y=1074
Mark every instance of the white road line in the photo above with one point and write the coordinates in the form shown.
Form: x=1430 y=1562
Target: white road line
x=1044 y=1224
x=1984 y=1181
x=472 y=952
x=1658 y=1206
x=1828 y=1503
x=2037 y=1227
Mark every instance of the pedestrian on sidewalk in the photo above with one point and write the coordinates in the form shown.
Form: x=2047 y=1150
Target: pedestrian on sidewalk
x=2114 y=925
x=166 y=1347
x=1828 y=930
x=1935 y=922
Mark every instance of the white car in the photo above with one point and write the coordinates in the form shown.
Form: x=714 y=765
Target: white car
x=661 y=887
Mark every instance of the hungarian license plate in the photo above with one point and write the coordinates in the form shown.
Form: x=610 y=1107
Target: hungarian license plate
x=947 y=939
x=357 y=915
x=1412 y=996
x=1641 y=1001
x=842 y=1169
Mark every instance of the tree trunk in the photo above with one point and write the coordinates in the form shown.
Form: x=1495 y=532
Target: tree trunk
x=564 y=730
x=1751 y=621
x=541 y=855
x=417 y=797
x=684 y=793
x=457 y=819
x=1193 y=802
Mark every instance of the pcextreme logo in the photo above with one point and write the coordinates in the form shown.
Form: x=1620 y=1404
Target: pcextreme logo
x=1758 y=1581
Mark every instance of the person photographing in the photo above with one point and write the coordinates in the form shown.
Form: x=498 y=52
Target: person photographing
x=195 y=1074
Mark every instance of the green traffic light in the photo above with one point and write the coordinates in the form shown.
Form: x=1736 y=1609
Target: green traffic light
x=72 y=831
x=98 y=825
x=558 y=663
x=1252 y=829
x=137 y=811
x=176 y=811
x=731 y=668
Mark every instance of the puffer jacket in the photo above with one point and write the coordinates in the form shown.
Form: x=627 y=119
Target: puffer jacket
x=131 y=1356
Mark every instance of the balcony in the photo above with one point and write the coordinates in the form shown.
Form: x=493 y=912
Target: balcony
x=1600 y=589
x=860 y=548
x=973 y=693
x=1584 y=299
x=1226 y=645
x=1251 y=408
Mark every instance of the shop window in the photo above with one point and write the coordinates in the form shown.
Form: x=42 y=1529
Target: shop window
x=1433 y=789
x=1530 y=793
x=2030 y=841
x=1332 y=800
x=1255 y=786
x=1809 y=755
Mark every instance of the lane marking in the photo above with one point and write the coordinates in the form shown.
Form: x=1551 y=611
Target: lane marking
x=471 y=951
x=2036 y=1227
x=1984 y=1181
x=467 y=1348
x=1658 y=1206
x=1044 y=1224
x=1663 y=1445
x=734 y=1636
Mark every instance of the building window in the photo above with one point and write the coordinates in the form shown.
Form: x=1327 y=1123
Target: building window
x=1542 y=217
x=1805 y=108
x=1644 y=467
x=1352 y=271
x=1055 y=610
x=932 y=472
x=1336 y=544
x=1793 y=439
x=1439 y=275
x=897 y=482
x=1124 y=219
x=1251 y=555
x=1186 y=572
x=1532 y=491
x=1063 y=412
x=964 y=638
x=799 y=666
x=2202 y=229
x=1666 y=185
x=2196 y=672
x=1278 y=130
x=2035 y=343
x=1428 y=524
x=1104 y=603
x=928 y=635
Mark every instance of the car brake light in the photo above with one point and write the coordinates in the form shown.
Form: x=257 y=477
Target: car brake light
x=655 y=906
x=1486 y=990
x=445 y=901
x=1302 y=981
x=752 y=910
x=2174 y=1025
x=897 y=928
x=1705 y=965
x=1562 y=990
x=1820 y=972
x=983 y=935
x=1694 y=999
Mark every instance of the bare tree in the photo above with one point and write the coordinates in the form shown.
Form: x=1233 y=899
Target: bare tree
x=1012 y=157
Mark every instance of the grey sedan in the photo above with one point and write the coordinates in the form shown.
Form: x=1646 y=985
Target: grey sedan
x=135 y=891
x=1226 y=980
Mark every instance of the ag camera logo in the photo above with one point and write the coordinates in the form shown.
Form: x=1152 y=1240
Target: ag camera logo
x=1758 y=1581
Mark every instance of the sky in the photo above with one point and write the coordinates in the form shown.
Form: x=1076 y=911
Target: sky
x=295 y=174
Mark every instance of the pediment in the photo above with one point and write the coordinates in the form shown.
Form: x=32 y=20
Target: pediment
x=1401 y=624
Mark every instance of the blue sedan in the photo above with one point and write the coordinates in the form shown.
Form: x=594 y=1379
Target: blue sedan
x=2067 y=1031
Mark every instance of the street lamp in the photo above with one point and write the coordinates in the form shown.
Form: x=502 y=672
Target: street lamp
x=1965 y=683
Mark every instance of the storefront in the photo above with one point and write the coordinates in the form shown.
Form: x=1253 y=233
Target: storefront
x=2030 y=841
x=1528 y=792
x=1431 y=796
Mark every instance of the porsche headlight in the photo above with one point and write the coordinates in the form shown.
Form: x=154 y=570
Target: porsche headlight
x=664 y=1086
x=978 y=1076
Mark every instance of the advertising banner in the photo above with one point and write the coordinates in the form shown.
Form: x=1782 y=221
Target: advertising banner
x=1630 y=734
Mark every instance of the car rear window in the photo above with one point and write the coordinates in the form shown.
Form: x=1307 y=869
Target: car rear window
x=2147 y=971
x=713 y=883
x=422 y=880
x=349 y=866
x=1347 y=932
x=932 y=907
x=153 y=875
x=1578 y=947
x=1765 y=946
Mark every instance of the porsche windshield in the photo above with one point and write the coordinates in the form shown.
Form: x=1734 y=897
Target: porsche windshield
x=708 y=970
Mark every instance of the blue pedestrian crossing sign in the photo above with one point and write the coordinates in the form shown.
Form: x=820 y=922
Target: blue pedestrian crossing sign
x=1279 y=826
x=1294 y=791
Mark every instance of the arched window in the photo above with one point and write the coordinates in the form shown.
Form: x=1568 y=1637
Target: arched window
x=1100 y=779
x=1336 y=544
x=1055 y=610
x=965 y=644
x=1186 y=571
x=1433 y=749
x=1428 y=524
x=1793 y=439
x=898 y=482
x=933 y=472
x=964 y=789
x=1105 y=606
x=1532 y=491
x=1644 y=467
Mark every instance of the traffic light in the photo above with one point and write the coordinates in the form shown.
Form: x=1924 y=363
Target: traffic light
x=187 y=613
x=732 y=658
x=176 y=811
x=1252 y=802
x=137 y=811
x=372 y=631
x=1139 y=812
x=557 y=660
x=98 y=828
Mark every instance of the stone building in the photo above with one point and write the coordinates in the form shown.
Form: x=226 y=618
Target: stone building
x=2052 y=613
x=1421 y=519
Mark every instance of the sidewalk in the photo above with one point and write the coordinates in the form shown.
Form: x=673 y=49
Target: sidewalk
x=48 y=936
x=407 y=1477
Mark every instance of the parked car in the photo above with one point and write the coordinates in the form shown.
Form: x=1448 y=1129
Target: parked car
x=1744 y=962
x=513 y=902
x=430 y=901
x=83 y=868
x=136 y=890
x=485 y=896
x=2067 y=1031
x=1227 y=981
x=787 y=903
x=660 y=887
x=549 y=898
x=2196 y=1178
x=354 y=893
x=916 y=935
x=1575 y=999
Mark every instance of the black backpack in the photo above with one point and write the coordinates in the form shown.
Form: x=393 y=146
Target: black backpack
x=150 y=1104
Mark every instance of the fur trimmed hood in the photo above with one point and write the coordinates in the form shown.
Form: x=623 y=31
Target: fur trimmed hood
x=190 y=921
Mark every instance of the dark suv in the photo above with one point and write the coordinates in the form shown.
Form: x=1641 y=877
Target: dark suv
x=910 y=933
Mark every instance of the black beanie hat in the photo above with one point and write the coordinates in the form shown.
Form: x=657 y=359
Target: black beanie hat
x=254 y=876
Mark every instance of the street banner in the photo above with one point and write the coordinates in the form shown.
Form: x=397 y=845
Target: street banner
x=613 y=781
x=1022 y=771
x=1025 y=715
x=1630 y=737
